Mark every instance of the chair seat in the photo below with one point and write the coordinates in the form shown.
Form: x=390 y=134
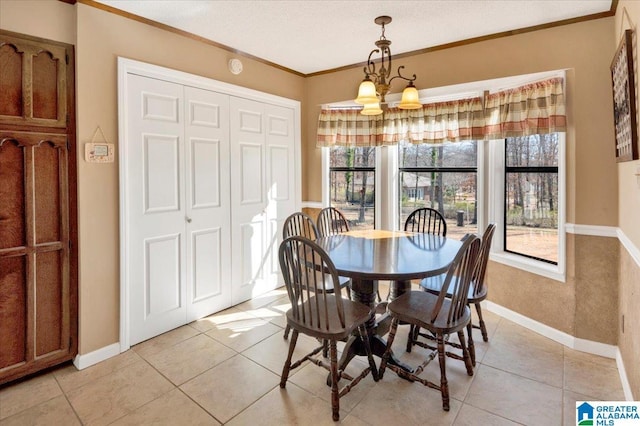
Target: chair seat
x=355 y=314
x=434 y=284
x=415 y=307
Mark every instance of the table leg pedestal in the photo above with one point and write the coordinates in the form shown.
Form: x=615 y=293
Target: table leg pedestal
x=364 y=291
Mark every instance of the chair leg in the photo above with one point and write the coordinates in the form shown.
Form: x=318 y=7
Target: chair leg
x=471 y=345
x=367 y=347
x=410 y=339
x=465 y=353
x=287 y=363
x=335 y=395
x=286 y=332
x=414 y=332
x=387 y=351
x=444 y=385
x=483 y=327
x=325 y=348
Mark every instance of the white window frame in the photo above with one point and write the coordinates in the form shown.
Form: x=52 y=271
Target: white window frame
x=495 y=165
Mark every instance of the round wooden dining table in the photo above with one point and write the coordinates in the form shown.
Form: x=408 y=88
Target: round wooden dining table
x=368 y=256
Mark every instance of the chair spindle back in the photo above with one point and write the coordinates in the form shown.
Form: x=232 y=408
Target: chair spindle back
x=331 y=221
x=457 y=280
x=483 y=259
x=300 y=224
x=306 y=267
x=426 y=220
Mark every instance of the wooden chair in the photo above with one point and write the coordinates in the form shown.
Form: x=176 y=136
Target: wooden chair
x=301 y=224
x=331 y=221
x=440 y=315
x=426 y=220
x=477 y=289
x=316 y=313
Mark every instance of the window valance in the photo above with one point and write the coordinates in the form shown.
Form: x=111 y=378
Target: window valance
x=535 y=108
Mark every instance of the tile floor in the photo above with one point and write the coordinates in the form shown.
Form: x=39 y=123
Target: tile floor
x=225 y=369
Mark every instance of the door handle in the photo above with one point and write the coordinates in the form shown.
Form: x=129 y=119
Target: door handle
x=188 y=219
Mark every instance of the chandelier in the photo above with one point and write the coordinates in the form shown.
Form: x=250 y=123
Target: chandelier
x=377 y=83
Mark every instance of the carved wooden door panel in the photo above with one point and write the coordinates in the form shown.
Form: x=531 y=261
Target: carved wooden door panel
x=38 y=269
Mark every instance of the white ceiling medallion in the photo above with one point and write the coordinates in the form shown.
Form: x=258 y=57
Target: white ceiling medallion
x=235 y=66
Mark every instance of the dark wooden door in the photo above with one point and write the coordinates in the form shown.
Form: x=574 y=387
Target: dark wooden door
x=38 y=263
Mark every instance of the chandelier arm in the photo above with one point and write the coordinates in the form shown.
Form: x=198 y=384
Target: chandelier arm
x=401 y=76
x=370 y=69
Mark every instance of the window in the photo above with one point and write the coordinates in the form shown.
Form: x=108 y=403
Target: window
x=526 y=200
x=531 y=197
x=352 y=184
x=443 y=177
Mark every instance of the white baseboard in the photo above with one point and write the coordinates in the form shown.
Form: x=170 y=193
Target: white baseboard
x=87 y=360
x=583 y=345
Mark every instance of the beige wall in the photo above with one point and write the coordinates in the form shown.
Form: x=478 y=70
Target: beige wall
x=50 y=19
x=629 y=208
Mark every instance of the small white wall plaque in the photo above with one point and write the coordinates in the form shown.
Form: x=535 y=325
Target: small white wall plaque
x=98 y=152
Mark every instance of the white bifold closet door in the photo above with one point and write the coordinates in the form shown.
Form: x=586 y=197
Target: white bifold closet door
x=178 y=190
x=263 y=194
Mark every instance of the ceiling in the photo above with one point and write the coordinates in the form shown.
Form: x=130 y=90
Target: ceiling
x=309 y=36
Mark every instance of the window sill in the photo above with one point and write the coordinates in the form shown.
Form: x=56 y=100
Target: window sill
x=554 y=272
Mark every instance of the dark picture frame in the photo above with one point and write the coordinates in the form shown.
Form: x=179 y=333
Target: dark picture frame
x=624 y=100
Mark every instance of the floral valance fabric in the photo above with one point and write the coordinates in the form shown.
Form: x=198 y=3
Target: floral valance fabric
x=531 y=109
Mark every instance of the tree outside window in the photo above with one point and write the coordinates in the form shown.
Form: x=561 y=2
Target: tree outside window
x=352 y=184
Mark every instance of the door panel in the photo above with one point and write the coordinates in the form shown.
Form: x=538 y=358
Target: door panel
x=252 y=250
x=162 y=276
x=156 y=222
x=208 y=202
x=248 y=201
x=13 y=315
x=281 y=180
x=280 y=172
x=47 y=189
x=12 y=194
x=161 y=168
x=251 y=174
x=45 y=85
x=206 y=253
x=205 y=173
x=264 y=176
x=49 y=303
